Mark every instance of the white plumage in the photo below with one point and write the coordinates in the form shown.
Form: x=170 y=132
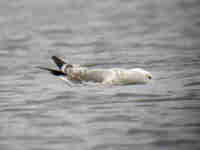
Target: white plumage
x=113 y=76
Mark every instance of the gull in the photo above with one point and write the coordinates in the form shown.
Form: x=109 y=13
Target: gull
x=113 y=76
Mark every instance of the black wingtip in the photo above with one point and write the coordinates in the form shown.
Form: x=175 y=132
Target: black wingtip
x=52 y=71
x=59 y=62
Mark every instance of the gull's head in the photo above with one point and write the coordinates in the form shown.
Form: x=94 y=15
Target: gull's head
x=141 y=75
x=148 y=75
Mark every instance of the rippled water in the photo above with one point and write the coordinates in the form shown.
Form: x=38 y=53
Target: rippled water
x=40 y=112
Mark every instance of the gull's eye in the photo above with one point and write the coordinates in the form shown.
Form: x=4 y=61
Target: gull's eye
x=149 y=77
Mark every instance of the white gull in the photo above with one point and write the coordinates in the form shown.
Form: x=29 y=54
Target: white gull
x=113 y=76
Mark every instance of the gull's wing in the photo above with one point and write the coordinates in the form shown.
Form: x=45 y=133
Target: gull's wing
x=57 y=73
x=53 y=71
x=59 y=62
x=62 y=65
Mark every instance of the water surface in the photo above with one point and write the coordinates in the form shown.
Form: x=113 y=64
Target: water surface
x=40 y=112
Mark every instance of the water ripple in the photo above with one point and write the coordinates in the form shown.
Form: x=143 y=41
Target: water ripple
x=40 y=112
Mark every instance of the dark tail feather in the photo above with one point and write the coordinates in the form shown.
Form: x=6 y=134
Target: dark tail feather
x=53 y=71
x=59 y=62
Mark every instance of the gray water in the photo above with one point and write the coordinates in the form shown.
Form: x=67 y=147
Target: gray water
x=40 y=112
